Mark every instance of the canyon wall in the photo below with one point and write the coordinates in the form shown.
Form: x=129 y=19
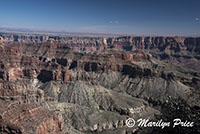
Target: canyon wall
x=183 y=51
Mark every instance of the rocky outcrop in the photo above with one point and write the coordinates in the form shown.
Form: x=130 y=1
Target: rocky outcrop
x=1 y=40
x=19 y=118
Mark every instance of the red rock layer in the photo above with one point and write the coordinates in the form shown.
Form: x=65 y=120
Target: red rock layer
x=16 y=117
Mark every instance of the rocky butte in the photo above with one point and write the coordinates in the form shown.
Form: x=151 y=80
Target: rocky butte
x=85 y=85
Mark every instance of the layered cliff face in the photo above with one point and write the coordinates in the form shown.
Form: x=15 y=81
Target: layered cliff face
x=183 y=51
x=22 y=118
x=64 y=91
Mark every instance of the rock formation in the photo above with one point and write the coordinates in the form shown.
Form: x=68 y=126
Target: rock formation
x=183 y=51
x=49 y=87
x=24 y=118
x=1 y=40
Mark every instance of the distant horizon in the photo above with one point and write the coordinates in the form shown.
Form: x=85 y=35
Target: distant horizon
x=30 y=31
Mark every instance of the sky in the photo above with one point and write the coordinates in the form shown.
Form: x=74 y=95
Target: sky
x=140 y=17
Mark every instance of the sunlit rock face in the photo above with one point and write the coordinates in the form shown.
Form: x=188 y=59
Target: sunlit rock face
x=1 y=40
x=60 y=90
x=21 y=118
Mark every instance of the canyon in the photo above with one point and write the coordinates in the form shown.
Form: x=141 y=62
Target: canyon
x=91 y=85
x=183 y=51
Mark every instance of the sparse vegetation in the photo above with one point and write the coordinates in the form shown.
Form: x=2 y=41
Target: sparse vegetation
x=176 y=108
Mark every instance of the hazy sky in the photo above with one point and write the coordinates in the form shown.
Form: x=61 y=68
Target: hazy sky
x=166 y=17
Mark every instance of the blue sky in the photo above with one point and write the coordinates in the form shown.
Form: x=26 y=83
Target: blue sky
x=142 y=17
